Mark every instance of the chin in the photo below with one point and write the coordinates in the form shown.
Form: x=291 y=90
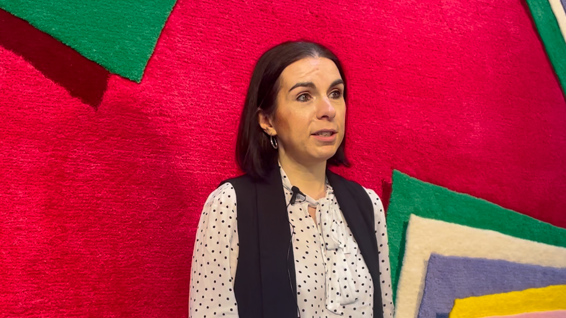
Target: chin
x=324 y=156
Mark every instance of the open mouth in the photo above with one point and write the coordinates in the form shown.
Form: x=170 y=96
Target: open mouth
x=325 y=133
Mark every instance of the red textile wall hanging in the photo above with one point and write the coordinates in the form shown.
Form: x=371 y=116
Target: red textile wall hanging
x=102 y=181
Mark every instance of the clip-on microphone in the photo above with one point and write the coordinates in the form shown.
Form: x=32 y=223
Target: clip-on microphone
x=296 y=191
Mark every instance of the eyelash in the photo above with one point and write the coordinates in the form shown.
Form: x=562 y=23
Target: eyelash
x=337 y=91
x=309 y=97
x=303 y=94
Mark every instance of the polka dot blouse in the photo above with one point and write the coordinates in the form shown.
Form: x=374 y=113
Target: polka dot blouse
x=331 y=275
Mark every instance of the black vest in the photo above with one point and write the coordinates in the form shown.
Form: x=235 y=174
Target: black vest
x=265 y=277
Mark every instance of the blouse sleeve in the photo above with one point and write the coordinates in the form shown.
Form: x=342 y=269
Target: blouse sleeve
x=383 y=249
x=215 y=257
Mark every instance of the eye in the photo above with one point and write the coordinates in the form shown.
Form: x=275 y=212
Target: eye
x=304 y=97
x=336 y=94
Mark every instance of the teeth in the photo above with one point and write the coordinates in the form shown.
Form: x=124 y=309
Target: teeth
x=325 y=134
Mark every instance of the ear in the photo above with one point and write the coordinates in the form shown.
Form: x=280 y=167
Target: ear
x=266 y=123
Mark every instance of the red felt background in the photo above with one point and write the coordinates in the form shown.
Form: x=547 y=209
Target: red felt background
x=101 y=191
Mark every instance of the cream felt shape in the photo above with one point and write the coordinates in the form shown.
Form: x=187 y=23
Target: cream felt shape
x=538 y=314
x=426 y=236
x=529 y=300
x=560 y=14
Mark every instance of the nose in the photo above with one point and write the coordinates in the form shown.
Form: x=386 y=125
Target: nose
x=326 y=109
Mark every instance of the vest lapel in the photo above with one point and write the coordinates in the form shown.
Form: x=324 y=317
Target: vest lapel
x=276 y=253
x=360 y=219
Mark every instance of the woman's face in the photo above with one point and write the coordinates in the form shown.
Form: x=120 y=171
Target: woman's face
x=310 y=111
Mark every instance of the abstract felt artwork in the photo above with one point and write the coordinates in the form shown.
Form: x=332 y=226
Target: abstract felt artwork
x=412 y=196
x=516 y=302
x=451 y=277
x=103 y=180
x=119 y=35
x=428 y=236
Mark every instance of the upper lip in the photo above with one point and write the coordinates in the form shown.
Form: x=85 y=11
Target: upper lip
x=325 y=130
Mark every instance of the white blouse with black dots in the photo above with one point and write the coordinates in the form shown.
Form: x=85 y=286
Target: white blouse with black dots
x=331 y=275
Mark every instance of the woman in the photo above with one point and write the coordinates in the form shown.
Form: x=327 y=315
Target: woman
x=290 y=238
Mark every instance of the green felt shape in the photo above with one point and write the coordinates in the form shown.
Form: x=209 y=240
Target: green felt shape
x=412 y=196
x=119 y=35
x=551 y=36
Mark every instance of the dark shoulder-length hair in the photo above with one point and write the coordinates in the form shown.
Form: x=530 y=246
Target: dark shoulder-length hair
x=254 y=153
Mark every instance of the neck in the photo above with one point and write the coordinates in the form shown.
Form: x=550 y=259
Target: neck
x=311 y=180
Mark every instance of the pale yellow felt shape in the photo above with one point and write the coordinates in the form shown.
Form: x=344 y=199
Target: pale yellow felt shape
x=425 y=236
x=560 y=14
x=516 y=302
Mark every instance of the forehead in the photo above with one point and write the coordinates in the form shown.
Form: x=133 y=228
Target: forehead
x=310 y=69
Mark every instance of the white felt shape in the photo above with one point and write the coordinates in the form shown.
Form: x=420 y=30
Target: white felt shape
x=426 y=236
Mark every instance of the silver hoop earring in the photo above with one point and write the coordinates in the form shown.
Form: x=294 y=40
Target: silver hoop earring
x=274 y=142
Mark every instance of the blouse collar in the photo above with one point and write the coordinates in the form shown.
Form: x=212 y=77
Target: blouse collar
x=301 y=197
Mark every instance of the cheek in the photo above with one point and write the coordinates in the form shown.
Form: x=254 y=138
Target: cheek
x=341 y=115
x=285 y=125
x=291 y=121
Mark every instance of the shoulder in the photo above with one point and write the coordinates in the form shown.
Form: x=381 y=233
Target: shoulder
x=378 y=212
x=355 y=186
x=239 y=182
x=219 y=212
x=222 y=198
x=375 y=199
x=229 y=188
x=352 y=186
x=361 y=194
x=224 y=191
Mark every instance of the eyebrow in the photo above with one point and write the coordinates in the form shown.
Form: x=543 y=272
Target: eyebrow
x=337 y=82
x=303 y=84
x=311 y=84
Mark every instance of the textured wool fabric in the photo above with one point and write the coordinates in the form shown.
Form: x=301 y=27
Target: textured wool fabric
x=450 y=277
x=412 y=196
x=427 y=236
x=100 y=196
x=538 y=314
x=549 y=21
x=119 y=35
x=529 y=300
x=81 y=77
